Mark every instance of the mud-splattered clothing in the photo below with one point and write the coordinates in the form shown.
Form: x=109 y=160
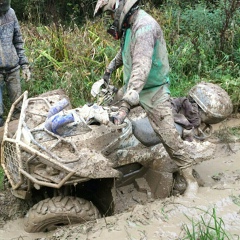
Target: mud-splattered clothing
x=12 y=56
x=162 y=121
x=13 y=87
x=145 y=59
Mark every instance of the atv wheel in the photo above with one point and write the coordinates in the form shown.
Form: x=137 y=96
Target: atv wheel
x=51 y=213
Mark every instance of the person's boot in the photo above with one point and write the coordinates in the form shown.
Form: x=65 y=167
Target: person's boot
x=192 y=185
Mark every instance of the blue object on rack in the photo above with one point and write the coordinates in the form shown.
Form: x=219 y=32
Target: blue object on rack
x=55 y=122
x=59 y=106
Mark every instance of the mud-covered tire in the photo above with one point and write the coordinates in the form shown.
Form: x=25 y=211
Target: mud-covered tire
x=51 y=213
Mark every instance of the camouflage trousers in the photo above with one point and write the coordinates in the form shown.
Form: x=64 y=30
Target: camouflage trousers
x=13 y=85
x=162 y=121
x=161 y=117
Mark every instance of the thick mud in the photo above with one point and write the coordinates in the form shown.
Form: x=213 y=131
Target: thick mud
x=140 y=217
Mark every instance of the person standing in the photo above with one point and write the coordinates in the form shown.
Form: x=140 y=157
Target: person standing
x=12 y=55
x=144 y=57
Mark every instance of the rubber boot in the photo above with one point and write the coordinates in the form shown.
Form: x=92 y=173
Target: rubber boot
x=192 y=185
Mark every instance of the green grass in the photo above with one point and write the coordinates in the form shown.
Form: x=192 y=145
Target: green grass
x=73 y=58
x=1 y=178
x=235 y=131
x=227 y=134
x=209 y=227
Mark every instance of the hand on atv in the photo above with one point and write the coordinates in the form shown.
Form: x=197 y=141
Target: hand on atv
x=96 y=87
x=119 y=117
x=102 y=83
x=106 y=77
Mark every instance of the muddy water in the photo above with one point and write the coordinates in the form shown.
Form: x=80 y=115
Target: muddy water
x=14 y=230
x=222 y=180
x=162 y=219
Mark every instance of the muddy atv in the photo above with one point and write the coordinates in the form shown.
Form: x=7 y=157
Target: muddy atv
x=70 y=167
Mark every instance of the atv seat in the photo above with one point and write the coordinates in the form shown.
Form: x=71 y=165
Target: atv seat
x=144 y=132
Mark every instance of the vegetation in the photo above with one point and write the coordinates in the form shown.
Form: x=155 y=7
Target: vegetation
x=1 y=178
x=203 y=39
x=235 y=131
x=209 y=227
x=68 y=58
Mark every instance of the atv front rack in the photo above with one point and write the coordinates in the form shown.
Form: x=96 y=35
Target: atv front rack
x=27 y=161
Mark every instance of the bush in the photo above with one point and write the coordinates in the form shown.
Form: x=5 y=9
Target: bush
x=73 y=56
x=68 y=58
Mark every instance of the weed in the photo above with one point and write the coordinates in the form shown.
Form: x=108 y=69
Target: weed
x=209 y=227
x=235 y=131
x=1 y=178
x=73 y=57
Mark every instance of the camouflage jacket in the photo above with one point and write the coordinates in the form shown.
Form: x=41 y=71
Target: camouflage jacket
x=144 y=57
x=12 y=54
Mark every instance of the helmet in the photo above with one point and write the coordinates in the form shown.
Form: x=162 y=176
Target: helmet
x=4 y=5
x=104 y=6
x=122 y=10
x=214 y=102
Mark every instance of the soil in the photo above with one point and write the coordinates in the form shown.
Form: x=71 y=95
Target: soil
x=141 y=218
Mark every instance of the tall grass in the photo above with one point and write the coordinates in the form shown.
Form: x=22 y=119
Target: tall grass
x=68 y=58
x=75 y=57
x=203 y=43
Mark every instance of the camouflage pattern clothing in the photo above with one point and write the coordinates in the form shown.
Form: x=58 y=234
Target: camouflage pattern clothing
x=145 y=59
x=12 y=55
x=12 y=83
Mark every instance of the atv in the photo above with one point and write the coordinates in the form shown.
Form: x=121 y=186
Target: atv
x=69 y=162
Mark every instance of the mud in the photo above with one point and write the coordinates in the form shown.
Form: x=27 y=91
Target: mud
x=138 y=216
x=11 y=208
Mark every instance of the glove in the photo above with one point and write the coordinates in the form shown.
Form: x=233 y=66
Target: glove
x=106 y=77
x=26 y=73
x=96 y=87
x=120 y=115
x=103 y=82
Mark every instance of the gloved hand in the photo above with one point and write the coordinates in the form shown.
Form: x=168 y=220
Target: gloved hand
x=26 y=72
x=106 y=77
x=98 y=85
x=119 y=117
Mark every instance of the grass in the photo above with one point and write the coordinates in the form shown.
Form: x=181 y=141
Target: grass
x=235 y=131
x=228 y=134
x=1 y=178
x=209 y=227
x=68 y=58
x=74 y=57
